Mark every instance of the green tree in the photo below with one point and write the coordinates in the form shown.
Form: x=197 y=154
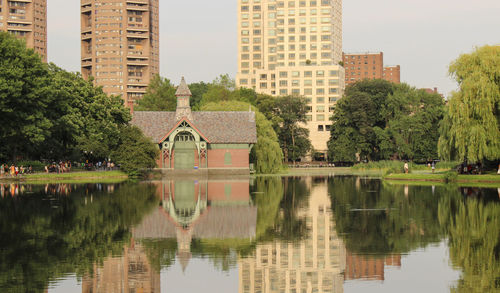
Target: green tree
x=293 y=138
x=23 y=97
x=471 y=130
x=197 y=89
x=377 y=120
x=413 y=124
x=135 y=152
x=160 y=96
x=266 y=154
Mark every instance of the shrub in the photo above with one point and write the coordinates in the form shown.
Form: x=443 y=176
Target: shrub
x=450 y=176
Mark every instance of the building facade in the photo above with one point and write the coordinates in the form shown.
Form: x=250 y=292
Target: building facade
x=392 y=73
x=211 y=141
x=26 y=19
x=294 y=48
x=359 y=66
x=120 y=45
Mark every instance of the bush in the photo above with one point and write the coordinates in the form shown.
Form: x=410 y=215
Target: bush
x=136 y=152
x=37 y=165
x=450 y=176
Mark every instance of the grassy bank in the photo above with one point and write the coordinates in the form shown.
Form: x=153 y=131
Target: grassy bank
x=490 y=179
x=387 y=167
x=325 y=171
x=71 y=177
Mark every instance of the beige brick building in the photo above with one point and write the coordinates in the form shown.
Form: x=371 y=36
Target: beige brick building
x=315 y=264
x=294 y=48
x=26 y=19
x=120 y=45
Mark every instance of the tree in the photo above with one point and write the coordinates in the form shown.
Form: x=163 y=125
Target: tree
x=377 y=120
x=471 y=130
x=197 y=90
x=160 y=96
x=266 y=154
x=135 y=152
x=23 y=97
x=294 y=139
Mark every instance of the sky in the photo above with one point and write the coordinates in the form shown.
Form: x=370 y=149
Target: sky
x=198 y=38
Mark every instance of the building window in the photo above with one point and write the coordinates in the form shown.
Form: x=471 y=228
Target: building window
x=320 y=128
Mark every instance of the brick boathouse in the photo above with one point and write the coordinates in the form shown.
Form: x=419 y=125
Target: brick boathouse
x=215 y=142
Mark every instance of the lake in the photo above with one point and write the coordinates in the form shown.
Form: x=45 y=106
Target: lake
x=249 y=234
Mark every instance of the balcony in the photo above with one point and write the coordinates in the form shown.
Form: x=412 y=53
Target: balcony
x=138 y=34
x=87 y=36
x=87 y=62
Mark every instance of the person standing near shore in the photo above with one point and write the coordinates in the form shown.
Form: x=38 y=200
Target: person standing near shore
x=433 y=166
x=406 y=167
x=1 y=170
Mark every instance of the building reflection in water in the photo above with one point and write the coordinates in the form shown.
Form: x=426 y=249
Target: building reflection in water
x=315 y=264
x=369 y=268
x=189 y=209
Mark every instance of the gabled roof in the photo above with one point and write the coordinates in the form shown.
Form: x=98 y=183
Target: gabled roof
x=216 y=222
x=217 y=127
x=183 y=89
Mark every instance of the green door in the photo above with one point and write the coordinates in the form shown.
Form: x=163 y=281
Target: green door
x=184 y=155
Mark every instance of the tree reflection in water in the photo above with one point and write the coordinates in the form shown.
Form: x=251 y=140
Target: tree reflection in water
x=378 y=220
x=45 y=234
x=472 y=220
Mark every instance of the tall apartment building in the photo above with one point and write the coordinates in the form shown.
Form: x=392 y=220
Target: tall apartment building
x=315 y=264
x=26 y=19
x=294 y=48
x=359 y=66
x=120 y=45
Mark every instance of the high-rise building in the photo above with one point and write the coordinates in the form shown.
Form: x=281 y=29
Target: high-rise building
x=294 y=48
x=359 y=66
x=120 y=45
x=26 y=19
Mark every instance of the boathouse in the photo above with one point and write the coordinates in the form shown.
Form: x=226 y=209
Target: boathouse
x=206 y=141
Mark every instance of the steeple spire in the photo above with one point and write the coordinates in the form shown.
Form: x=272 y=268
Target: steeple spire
x=183 y=108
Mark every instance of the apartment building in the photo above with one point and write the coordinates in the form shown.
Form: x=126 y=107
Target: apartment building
x=26 y=19
x=294 y=48
x=120 y=45
x=359 y=66
x=392 y=73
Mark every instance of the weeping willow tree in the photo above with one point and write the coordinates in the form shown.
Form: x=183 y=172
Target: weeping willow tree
x=470 y=131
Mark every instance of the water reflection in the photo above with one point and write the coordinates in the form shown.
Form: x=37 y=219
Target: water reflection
x=313 y=264
x=46 y=235
x=277 y=234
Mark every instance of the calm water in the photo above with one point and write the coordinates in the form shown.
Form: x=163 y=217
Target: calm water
x=302 y=234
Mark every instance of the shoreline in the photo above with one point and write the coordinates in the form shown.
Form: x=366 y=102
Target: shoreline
x=490 y=179
x=69 y=177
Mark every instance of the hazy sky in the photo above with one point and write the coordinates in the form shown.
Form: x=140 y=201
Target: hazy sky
x=198 y=37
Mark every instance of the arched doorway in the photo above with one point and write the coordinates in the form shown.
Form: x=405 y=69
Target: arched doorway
x=184 y=151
